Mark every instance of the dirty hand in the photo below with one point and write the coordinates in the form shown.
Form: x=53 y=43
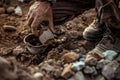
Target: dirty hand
x=39 y=12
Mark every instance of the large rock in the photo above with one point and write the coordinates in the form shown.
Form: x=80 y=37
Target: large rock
x=76 y=66
x=109 y=70
x=78 y=76
x=38 y=76
x=67 y=72
x=102 y=63
x=70 y=57
x=18 y=11
x=10 y=9
x=110 y=54
x=100 y=77
x=89 y=70
x=90 y=60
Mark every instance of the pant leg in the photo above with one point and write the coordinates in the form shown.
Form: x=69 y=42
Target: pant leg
x=64 y=10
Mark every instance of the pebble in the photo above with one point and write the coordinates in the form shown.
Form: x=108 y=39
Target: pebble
x=89 y=70
x=90 y=60
x=9 y=28
x=2 y=10
x=4 y=63
x=46 y=67
x=70 y=57
x=18 y=50
x=100 y=77
x=102 y=63
x=67 y=72
x=38 y=75
x=18 y=11
x=76 y=66
x=110 y=54
x=118 y=58
x=10 y=9
x=109 y=70
x=79 y=76
x=4 y=15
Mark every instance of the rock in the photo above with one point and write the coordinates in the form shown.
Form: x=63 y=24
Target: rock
x=38 y=76
x=90 y=60
x=9 y=28
x=79 y=76
x=4 y=15
x=5 y=72
x=118 y=58
x=4 y=63
x=73 y=34
x=10 y=9
x=24 y=1
x=117 y=73
x=109 y=70
x=89 y=70
x=67 y=72
x=102 y=63
x=2 y=10
x=70 y=57
x=5 y=51
x=82 y=50
x=18 y=11
x=46 y=67
x=110 y=54
x=76 y=66
x=18 y=50
x=21 y=0
x=100 y=77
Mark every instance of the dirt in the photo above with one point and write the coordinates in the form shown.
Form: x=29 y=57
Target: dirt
x=71 y=31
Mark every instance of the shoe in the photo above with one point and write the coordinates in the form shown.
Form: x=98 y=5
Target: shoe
x=95 y=31
x=108 y=42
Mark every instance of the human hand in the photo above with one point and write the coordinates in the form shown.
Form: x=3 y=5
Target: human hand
x=38 y=13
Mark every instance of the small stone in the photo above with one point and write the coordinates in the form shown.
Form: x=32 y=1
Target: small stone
x=109 y=70
x=90 y=60
x=70 y=57
x=118 y=58
x=89 y=70
x=83 y=50
x=5 y=51
x=100 y=77
x=38 y=76
x=2 y=10
x=117 y=73
x=67 y=72
x=9 y=28
x=46 y=67
x=18 y=11
x=79 y=76
x=4 y=15
x=102 y=63
x=10 y=10
x=4 y=63
x=76 y=66
x=18 y=50
x=110 y=54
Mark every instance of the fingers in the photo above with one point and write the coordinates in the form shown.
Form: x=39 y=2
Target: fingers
x=36 y=21
x=30 y=19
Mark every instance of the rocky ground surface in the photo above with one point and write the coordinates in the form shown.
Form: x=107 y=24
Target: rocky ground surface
x=66 y=60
